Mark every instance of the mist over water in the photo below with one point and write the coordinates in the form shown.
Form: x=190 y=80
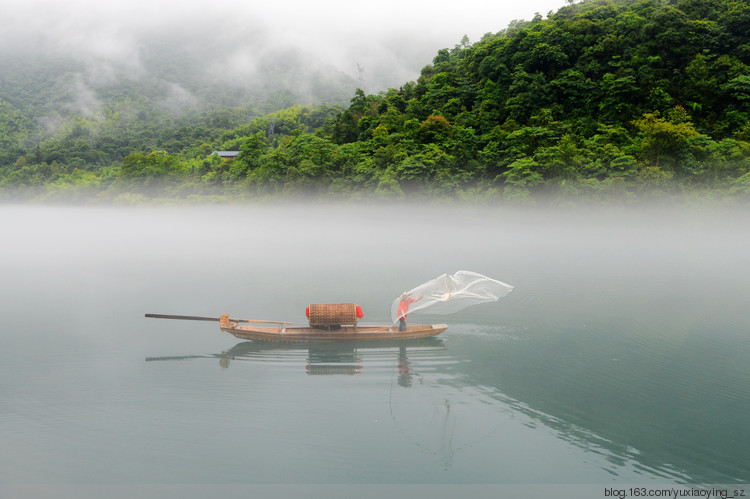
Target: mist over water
x=620 y=357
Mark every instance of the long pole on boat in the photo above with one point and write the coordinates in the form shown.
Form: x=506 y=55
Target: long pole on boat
x=213 y=319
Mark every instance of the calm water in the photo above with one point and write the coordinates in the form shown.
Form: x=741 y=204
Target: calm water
x=623 y=355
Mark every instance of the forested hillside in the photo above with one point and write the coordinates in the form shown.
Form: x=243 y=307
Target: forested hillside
x=606 y=99
x=80 y=111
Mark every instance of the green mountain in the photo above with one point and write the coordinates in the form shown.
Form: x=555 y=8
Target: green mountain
x=605 y=99
x=50 y=102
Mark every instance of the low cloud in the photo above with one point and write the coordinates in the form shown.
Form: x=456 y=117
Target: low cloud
x=85 y=100
x=391 y=39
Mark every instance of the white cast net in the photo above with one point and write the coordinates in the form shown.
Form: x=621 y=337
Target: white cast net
x=447 y=294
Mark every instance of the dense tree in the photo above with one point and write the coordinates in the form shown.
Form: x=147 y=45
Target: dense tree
x=604 y=97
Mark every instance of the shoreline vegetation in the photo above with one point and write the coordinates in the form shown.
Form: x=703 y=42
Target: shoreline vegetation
x=606 y=101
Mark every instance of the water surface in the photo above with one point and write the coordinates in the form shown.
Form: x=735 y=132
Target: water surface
x=620 y=357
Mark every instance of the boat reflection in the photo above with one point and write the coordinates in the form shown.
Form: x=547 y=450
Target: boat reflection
x=323 y=361
x=458 y=400
x=346 y=358
x=404 y=373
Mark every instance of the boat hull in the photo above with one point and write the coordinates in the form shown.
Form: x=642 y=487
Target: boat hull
x=302 y=334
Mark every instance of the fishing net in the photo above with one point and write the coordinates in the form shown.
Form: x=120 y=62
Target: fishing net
x=447 y=294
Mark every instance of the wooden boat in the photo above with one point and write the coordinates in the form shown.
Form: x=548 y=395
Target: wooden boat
x=297 y=334
x=337 y=322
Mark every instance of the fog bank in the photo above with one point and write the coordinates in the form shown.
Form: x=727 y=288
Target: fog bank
x=391 y=40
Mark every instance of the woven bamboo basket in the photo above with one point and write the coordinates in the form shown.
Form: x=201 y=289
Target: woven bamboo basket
x=338 y=314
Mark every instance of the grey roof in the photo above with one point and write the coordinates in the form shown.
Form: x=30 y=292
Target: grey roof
x=226 y=154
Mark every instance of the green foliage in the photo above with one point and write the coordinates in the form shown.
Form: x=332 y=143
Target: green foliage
x=627 y=99
x=660 y=136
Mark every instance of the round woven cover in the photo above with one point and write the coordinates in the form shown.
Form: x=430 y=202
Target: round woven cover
x=333 y=314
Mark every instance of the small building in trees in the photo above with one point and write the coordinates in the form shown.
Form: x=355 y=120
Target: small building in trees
x=226 y=154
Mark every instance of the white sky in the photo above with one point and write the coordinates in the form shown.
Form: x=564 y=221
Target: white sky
x=474 y=17
x=403 y=33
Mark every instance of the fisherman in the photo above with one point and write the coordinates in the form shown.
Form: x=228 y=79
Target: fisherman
x=403 y=308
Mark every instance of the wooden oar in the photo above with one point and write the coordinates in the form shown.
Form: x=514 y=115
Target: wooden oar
x=214 y=319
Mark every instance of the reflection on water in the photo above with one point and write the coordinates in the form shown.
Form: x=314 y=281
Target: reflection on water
x=621 y=356
x=622 y=392
x=403 y=363
x=452 y=408
x=325 y=358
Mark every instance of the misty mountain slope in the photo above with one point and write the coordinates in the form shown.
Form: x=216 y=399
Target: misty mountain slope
x=598 y=62
x=625 y=99
x=605 y=95
x=164 y=79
